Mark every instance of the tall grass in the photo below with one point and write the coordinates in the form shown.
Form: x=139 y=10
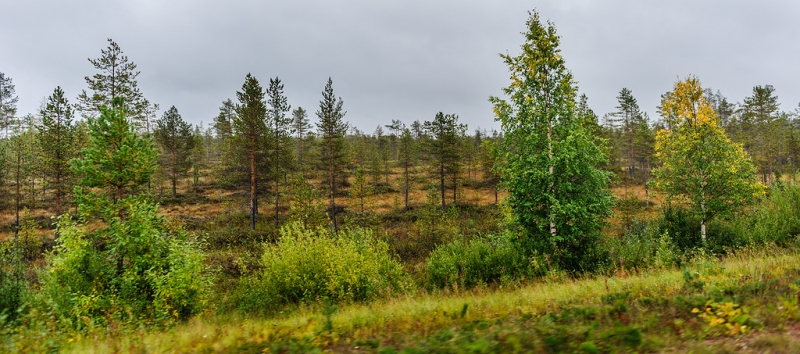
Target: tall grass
x=419 y=314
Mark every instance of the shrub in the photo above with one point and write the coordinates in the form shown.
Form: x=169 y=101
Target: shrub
x=479 y=261
x=432 y=227
x=133 y=270
x=311 y=264
x=641 y=245
x=682 y=226
x=11 y=280
x=777 y=218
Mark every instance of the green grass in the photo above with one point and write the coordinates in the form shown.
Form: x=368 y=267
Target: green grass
x=645 y=312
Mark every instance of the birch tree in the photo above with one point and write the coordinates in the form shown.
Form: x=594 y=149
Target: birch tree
x=557 y=193
x=700 y=165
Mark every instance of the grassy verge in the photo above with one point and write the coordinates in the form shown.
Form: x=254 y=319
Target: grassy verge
x=747 y=302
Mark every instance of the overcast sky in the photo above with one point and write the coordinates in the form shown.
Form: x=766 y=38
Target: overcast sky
x=392 y=59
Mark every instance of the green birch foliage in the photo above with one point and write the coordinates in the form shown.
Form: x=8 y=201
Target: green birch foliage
x=558 y=195
x=699 y=164
x=56 y=139
x=121 y=263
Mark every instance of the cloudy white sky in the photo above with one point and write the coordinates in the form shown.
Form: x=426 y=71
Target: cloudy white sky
x=392 y=59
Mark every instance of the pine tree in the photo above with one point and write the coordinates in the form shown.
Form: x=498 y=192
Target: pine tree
x=135 y=268
x=700 y=163
x=557 y=193
x=631 y=119
x=20 y=150
x=223 y=122
x=382 y=152
x=300 y=125
x=249 y=123
x=332 y=128
x=116 y=78
x=360 y=188
x=8 y=103
x=176 y=138
x=229 y=169
x=489 y=157
x=407 y=150
x=8 y=109
x=56 y=138
x=116 y=157
x=280 y=135
x=443 y=148
x=761 y=109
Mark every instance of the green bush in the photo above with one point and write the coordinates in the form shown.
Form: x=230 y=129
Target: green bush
x=479 y=261
x=641 y=245
x=308 y=265
x=681 y=226
x=776 y=219
x=11 y=280
x=132 y=271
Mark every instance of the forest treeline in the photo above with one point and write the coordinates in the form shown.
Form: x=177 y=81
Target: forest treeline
x=259 y=145
x=294 y=216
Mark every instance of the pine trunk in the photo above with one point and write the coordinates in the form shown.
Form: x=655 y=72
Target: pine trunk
x=174 y=175
x=253 y=205
x=441 y=183
x=405 y=173
x=332 y=184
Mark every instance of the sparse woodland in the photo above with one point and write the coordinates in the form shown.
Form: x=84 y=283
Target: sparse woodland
x=282 y=228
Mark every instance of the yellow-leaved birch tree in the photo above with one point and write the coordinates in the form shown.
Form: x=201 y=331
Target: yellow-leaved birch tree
x=701 y=167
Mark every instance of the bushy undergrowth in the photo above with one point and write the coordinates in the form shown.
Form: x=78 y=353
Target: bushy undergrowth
x=665 y=239
x=642 y=245
x=775 y=220
x=11 y=280
x=465 y=264
x=134 y=270
x=307 y=265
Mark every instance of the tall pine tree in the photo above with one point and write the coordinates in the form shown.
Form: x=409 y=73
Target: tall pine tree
x=300 y=125
x=445 y=134
x=761 y=110
x=176 y=138
x=116 y=157
x=56 y=138
x=279 y=148
x=249 y=123
x=332 y=128
x=116 y=78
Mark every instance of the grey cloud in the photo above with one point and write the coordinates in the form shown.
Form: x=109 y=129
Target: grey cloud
x=397 y=59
